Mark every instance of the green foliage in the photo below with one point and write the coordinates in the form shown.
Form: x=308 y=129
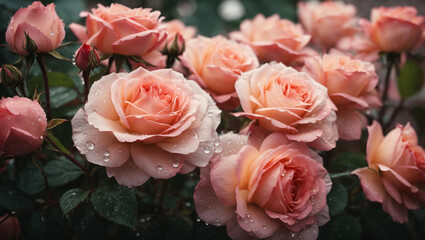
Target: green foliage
x=410 y=79
x=348 y=161
x=116 y=203
x=29 y=179
x=337 y=199
x=341 y=227
x=72 y=198
x=13 y=199
x=61 y=171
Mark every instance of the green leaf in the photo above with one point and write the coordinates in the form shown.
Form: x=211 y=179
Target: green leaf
x=61 y=96
x=378 y=225
x=29 y=179
x=341 y=227
x=55 y=122
x=116 y=203
x=87 y=224
x=14 y=200
x=348 y=161
x=56 y=79
x=72 y=198
x=337 y=199
x=62 y=171
x=410 y=80
x=57 y=55
x=45 y=224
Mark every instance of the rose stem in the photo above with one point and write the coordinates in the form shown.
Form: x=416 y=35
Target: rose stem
x=46 y=182
x=394 y=114
x=42 y=63
x=110 y=61
x=86 y=77
x=22 y=88
x=4 y=219
x=337 y=175
x=392 y=58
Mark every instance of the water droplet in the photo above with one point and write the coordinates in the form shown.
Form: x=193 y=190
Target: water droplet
x=74 y=193
x=159 y=167
x=106 y=159
x=13 y=212
x=292 y=235
x=229 y=141
x=218 y=222
x=137 y=234
x=176 y=164
x=217 y=143
x=43 y=218
x=39 y=119
x=11 y=28
x=218 y=149
x=41 y=137
x=52 y=33
x=195 y=135
x=97 y=93
x=107 y=153
x=187 y=204
x=198 y=219
x=142 y=220
x=264 y=226
x=210 y=114
x=251 y=220
x=119 y=151
x=282 y=174
x=206 y=224
x=90 y=145
x=248 y=215
x=33 y=123
x=207 y=150
x=314 y=191
x=175 y=145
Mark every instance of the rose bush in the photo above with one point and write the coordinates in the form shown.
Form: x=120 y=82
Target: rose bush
x=41 y=23
x=146 y=124
x=351 y=87
x=285 y=100
x=264 y=186
x=23 y=123
x=216 y=64
x=395 y=174
x=327 y=22
x=272 y=38
x=121 y=30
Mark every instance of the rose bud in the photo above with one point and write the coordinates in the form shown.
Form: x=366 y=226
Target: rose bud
x=9 y=228
x=86 y=58
x=11 y=75
x=23 y=123
x=39 y=23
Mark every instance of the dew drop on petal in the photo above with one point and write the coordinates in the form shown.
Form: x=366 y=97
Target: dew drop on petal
x=210 y=113
x=90 y=145
x=218 y=149
x=176 y=164
x=159 y=167
x=195 y=135
x=39 y=119
x=207 y=150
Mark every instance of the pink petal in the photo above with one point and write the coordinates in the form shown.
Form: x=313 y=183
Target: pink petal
x=208 y=206
x=79 y=31
x=44 y=43
x=100 y=148
x=224 y=180
x=137 y=44
x=310 y=232
x=374 y=141
x=128 y=174
x=154 y=161
x=350 y=123
x=20 y=142
x=236 y=232
x=371 y=184
x=398 y=212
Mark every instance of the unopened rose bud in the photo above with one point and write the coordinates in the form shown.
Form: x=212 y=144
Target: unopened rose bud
x=30 y=45
x=177 y=46
x=86 y=58
x=11 y=75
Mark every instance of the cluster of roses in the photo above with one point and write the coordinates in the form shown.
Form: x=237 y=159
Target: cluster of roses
x=265 y=181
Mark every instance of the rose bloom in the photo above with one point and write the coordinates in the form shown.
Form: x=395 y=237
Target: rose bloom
x=282 y=99
x=264 y=186
x=41 y=23
x=216 y=63
x=121 y=30
x=23 y=123
x=351 y=87
x=177 y=27
x=146 y=124
x=395 y=29
x=328 y=21
x=272 y=38
x=395 y=176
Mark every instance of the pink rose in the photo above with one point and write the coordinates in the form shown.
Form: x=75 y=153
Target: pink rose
x=395 y=29
x=328 y=21
x=146 y=124
x=23 y=123
x=282 y=99
x=9 y=228
x=395 y=176
x=351 y=86
x=41 y=23
x=86 y=58
x=216 y=63
x=272 y=38
x=121 y=30
x=264 y=186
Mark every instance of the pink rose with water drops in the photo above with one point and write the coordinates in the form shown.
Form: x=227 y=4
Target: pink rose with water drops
x=41 y=23
x=264 y=186
x=146 y=124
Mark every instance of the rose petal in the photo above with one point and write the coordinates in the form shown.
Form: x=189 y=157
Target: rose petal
x=224 y=180
x=371 y=184
x=128 y=174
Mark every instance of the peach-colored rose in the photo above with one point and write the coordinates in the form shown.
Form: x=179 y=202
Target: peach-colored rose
x=146 y=124
x=360 y=47
x=395 y=29
x=395 y=176
x=23 y=122
x=264 y=186
x=216 y=63
x=351 y=86
x=282 y=99
x=121 y=30
x=41 y=23
x=328 y=21
x=272 y=38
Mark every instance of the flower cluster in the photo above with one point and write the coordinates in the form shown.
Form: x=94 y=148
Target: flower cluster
x=163 y=103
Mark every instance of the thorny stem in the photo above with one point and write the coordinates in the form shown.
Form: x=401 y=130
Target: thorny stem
x=337 y=175
x=42 y=63
x=392 y=60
